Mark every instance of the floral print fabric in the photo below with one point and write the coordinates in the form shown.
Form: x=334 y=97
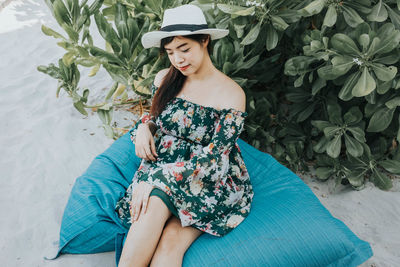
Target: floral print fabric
x=199 y=166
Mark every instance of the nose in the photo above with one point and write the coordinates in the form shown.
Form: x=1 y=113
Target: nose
x=178 y=58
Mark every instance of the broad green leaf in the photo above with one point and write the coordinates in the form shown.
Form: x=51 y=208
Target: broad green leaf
x=51 y=70
x=346 y=92
x=103 y=115
x=329 y=72
x=398 y=131
x=245 y=12
x=85 y=62
x=383 y=87
x=237 y=10
x=61 y=13
x=334 y=146
x=353 y=146
x=74 y=35
x=380 y=120
x=321 y=125
x=318 y=85
x=394 y=18
x=365 y=84
x=353 y=116
x=313 y=8
x=298 y=96
x=108 y=131
x=375 y=44
x=298 y=65
x=380 y=180
x=387 y=59
x=331 y=131
x=68 y=58
x=316 y=45
x=272 y=37
x=378 y=13
x=85 y=95
x=388 y=44
x=356 y=178
x=358 y=133
x=334 y=112
x=125 y=51
x=306 y=113
x=392 y=166
x=239 y=29
x=278 y=23
x=330 y=16
x=80 y=107
x=320 y=147
x=324 y=173
x=384 y=73
x=111 y=91
x=252 y=35
x=250 y=63
x=344 y=44
x=109 y=57
x=393 y=103
x=118 y=74
x=364 y=40
x=351 y=16
x=95 y=6
x=341 y=64
x=50 y=32
x=121 y=88
x=94 y=70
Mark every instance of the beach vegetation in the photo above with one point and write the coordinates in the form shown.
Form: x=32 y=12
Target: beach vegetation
x=321 y=76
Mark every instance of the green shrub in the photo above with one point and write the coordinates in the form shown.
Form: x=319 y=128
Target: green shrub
x=320 y=76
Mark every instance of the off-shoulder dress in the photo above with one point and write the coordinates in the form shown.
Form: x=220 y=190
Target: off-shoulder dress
x=199 y=173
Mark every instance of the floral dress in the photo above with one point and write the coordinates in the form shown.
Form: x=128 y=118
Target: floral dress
x=199 y=168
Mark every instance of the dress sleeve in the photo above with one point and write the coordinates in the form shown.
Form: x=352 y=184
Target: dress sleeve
x=144 y=118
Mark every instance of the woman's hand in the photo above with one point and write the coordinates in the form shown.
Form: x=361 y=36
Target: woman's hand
x=140 y=198
x=144 y=144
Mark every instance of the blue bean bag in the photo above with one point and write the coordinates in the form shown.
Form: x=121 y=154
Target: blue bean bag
x=287 y=225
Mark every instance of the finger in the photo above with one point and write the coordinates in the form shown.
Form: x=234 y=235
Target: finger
x=153 y=147
x=143 y=154
x=132 y=209
x=138 y=207
x=145 y=201
x=148 y=153
x=144 y=204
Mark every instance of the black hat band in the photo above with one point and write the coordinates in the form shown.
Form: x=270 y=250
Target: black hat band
x=184 y=27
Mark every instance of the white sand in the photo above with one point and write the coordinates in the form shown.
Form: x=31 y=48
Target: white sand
x=45 y=144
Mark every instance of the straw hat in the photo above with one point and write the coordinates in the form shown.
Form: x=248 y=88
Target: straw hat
x=182 y=20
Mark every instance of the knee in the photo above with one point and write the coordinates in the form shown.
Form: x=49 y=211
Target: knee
x=170 y=239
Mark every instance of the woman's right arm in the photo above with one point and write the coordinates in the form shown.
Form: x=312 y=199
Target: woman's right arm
x=143 y=133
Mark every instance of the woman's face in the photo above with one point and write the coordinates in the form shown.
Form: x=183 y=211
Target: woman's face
x=185 y=54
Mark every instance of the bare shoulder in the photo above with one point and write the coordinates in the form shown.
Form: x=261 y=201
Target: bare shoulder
x=233 y=95
x=160 y=77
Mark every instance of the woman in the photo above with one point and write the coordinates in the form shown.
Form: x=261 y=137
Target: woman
x=192 y=178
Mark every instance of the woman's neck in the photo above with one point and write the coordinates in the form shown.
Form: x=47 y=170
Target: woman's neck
x=206 y=70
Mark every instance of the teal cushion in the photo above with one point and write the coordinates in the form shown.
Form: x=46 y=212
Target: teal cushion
x=287 y=225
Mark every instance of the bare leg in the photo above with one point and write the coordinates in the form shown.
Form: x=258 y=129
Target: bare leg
x=174 y=242
x=144 y=235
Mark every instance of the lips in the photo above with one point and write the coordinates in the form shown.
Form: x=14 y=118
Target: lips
x=184 y=68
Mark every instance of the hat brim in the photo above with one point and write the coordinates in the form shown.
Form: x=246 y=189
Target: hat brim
x=153 y=39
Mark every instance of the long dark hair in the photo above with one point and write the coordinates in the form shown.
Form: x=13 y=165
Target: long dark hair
x=174 y=79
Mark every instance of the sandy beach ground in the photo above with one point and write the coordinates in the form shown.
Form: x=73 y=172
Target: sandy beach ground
x=46 y=144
